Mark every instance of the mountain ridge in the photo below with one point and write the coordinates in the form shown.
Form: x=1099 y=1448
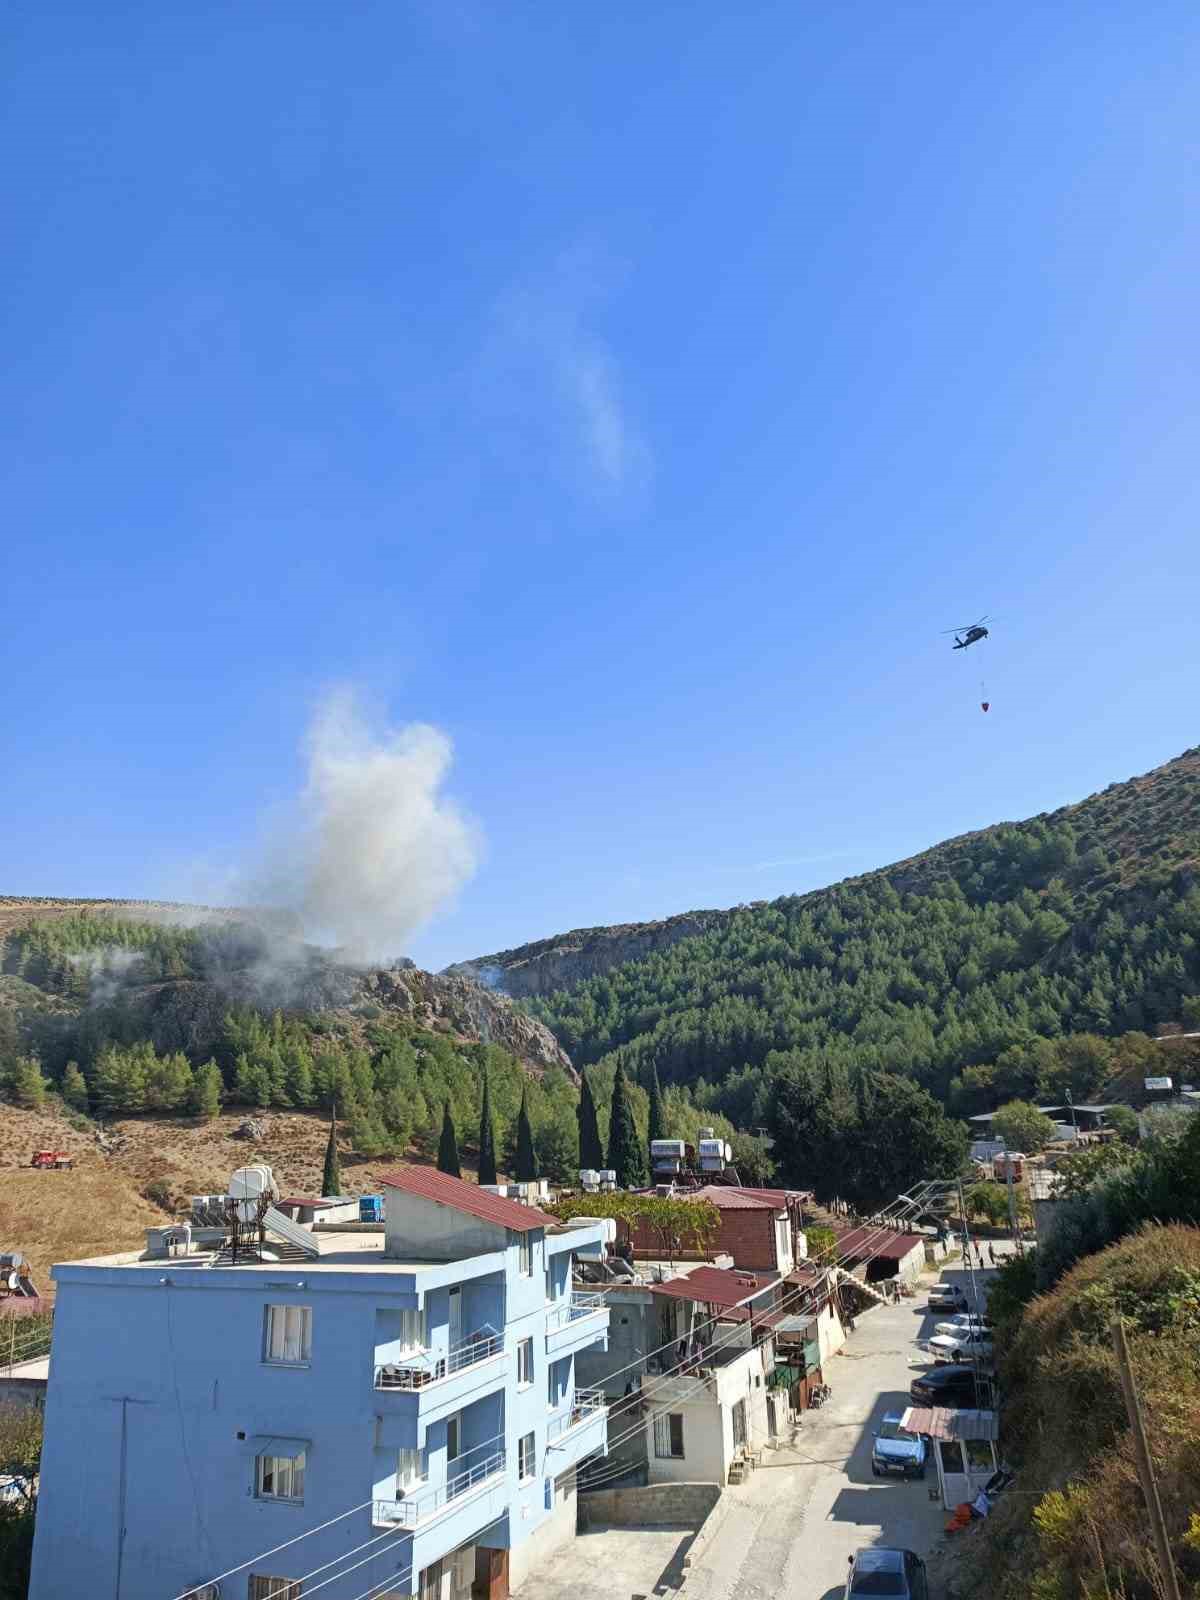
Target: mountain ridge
x=559 y=962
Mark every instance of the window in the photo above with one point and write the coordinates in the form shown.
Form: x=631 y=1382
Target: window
x=525 y=1362
x=453 y=1438
x=412 y=1331
x=526 y=1457
x=206 y=1591
x=525 y=1254
x=281 y=1477
x=262 y=1588
x=668 y=1435
x=410 y=1470
x=288 y=1340
x=549 y=1287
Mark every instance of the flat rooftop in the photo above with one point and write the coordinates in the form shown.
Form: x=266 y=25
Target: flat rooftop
x=340 y=1252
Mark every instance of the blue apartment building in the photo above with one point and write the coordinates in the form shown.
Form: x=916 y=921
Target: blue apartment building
x=392 y=1413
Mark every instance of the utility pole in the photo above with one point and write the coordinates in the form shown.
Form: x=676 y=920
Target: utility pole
x=1145 y=1467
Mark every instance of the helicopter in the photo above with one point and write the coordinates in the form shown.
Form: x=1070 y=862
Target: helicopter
x=972 y=632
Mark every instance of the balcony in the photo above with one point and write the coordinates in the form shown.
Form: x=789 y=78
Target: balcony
x=427 y=1385
x=579 y=1430
x=471 y=1481
x=574 y=1322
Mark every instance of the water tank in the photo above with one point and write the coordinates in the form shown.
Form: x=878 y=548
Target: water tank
x=667 y=1150
x=370 y=1208
x=608 y=1178
x=249 y=1184
x=714 y=1153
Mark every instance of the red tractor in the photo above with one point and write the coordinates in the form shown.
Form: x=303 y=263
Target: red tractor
x=53 y=1160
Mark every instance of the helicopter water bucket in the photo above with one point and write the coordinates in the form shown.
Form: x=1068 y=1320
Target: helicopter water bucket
x=985 y=704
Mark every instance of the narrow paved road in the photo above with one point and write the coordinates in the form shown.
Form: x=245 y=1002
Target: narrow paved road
x=790 y=1528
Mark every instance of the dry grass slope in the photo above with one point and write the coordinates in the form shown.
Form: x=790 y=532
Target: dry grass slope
x=1075 y=1525
x=101 y=1206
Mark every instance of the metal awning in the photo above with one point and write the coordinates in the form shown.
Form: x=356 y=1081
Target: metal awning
x=940 y=1422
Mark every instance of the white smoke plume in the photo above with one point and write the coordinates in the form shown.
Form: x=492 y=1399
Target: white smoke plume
x=380 y=847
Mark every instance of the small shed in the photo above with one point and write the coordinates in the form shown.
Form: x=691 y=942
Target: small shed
x=964 y=1447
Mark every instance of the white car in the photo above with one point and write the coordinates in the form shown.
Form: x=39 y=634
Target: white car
x=964 y=1345
x=964 y=1322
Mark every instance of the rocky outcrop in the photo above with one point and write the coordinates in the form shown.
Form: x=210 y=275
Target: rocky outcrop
x=571 y=958
x=455 y=1003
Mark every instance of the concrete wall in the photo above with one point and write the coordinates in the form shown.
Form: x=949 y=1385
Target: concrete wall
x=557 y=1528
x=831 y=1336
x=653 y=1506
x=422 y=1230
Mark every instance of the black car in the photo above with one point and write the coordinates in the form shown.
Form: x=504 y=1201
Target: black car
x=953 y=1386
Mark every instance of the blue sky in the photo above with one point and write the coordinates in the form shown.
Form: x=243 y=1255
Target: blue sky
x=631 y=392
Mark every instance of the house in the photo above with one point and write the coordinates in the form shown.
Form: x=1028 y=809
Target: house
x=395 y=1410
x=882 y=1253
x=759 y=1229
x=711 y=1408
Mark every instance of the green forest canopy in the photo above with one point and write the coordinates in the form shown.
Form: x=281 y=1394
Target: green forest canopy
x=138 y=1011
x=973 y=969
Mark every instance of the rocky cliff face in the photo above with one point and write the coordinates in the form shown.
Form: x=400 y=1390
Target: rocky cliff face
x=570 y=958
x=451 y=1002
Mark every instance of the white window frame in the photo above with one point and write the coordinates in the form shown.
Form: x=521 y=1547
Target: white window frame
x=525 y=1254
x=412 y=1470
x=284 y=1470
x=527 y=1458
x=524 y=1363
x=666 y=1425
x=263 y=1587
x=287 y=1335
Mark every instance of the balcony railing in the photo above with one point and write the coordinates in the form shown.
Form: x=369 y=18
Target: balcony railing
x=418 y=1505
x=571 y=1308
x=423 y=1367
x=584 y=1406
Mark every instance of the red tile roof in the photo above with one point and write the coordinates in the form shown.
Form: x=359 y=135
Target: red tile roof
x=716 y=1286
x=727 y=1198
x=777 y=1197
x=869 y=1241
x=430 y=1184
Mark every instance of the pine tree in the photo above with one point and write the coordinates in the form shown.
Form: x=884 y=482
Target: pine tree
x=73 y=1088
x=626 y=1156
x=487 y=1136
x=658 y=1115
x=29 y=1086
x=448 y=1146
x=591 y=1151
x=206 y=1093
x=527 y=1161
x=331 y=1178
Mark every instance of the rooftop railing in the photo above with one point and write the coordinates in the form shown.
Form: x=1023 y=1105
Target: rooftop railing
x=422 y=1367
x=417 y=1505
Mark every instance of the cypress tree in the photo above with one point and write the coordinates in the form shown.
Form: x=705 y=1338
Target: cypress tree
x=527 y=1161
x=591 y=1151
x=487 y=1136
x=331 y=1180
x=658 y=1115
x=626 y=1156
x=448 y=1145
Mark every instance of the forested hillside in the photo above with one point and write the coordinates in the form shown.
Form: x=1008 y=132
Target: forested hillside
x=116 y=1017
x=974 y=968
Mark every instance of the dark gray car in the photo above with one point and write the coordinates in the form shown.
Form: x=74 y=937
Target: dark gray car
x=899 y=1573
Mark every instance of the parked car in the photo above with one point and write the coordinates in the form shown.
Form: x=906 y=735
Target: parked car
x=965 y=1345
x=947 y=1297
x=955 y=1387
x=963 y=1322
x=899 y=1573
x=896 y=1451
